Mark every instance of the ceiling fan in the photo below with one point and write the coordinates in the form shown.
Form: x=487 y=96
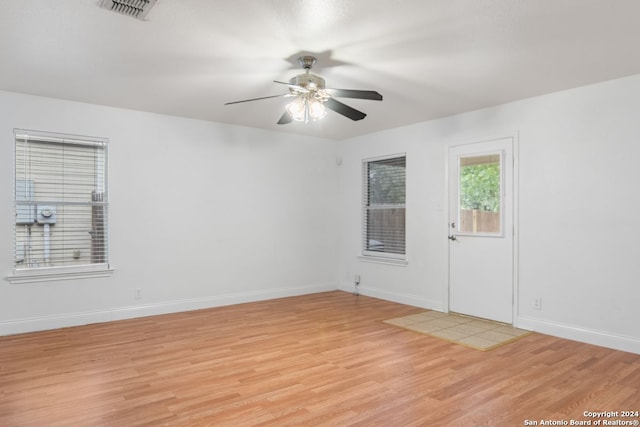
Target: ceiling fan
x=312 y=98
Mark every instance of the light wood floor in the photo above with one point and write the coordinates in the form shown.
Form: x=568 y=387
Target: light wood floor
x=324 y=359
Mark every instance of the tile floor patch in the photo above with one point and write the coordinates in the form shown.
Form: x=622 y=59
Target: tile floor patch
x=470 y=331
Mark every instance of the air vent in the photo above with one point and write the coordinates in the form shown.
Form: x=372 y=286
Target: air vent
x=134 y=8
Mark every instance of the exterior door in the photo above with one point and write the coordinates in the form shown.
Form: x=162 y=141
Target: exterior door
x=481 y=229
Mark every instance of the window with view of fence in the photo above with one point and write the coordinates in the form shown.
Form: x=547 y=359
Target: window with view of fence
x=480 y=194
x=384 y=207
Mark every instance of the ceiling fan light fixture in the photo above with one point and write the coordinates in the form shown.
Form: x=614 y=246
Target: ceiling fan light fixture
x=303 y=109
x=297 y=108
x=317 y=110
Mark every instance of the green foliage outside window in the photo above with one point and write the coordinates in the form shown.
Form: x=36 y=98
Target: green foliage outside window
x=387 y=182
x=480 y=187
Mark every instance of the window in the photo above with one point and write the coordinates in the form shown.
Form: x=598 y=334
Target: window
x=480 y=194
x=60 y=206
x=384 y=207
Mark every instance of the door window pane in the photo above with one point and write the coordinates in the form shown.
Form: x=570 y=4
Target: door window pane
x=480 y=194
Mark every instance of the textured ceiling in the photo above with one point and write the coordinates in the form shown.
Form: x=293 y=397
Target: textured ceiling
x=428 y=58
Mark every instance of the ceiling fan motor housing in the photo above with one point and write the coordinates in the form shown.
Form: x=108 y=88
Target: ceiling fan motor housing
x=309 y=82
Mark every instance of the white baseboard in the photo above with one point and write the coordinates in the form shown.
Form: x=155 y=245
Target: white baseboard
x=589 y=336
x=402 y=298
x=618 y=342
x=43 y=323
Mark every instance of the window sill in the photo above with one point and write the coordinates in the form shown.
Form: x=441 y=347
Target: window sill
x=382 y=260
x=49 y=275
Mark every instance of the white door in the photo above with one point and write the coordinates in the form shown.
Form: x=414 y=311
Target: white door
x=481 y=229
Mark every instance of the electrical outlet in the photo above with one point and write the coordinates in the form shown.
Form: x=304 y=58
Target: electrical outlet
x=537 y=303
x=357 y=279
x=137 y=293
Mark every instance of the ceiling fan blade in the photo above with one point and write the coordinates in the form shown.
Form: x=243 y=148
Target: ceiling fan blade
x=257 y=99
x=286 y=118
x=344 y=109
x=351 y=93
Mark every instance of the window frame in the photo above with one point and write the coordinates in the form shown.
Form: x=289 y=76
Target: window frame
x=380 y=256
x=52 y=273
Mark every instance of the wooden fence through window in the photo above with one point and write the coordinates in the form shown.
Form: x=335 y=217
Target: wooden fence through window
x=477 y=221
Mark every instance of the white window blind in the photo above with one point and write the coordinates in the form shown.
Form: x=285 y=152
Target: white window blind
x=61 y=202
x=384 y=207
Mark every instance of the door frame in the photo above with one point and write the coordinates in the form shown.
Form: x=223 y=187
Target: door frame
x=515 y=215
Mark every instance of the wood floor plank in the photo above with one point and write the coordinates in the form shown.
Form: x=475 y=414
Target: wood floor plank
x=323 y=359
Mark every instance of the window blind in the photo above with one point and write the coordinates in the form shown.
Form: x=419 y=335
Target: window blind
x=384 y=207
x=61 y=204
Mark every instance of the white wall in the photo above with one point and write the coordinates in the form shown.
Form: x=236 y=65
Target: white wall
x=204 y=214
x=578 y=210
x=201 y=214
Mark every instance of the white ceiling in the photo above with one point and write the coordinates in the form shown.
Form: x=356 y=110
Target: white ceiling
x=428 y=58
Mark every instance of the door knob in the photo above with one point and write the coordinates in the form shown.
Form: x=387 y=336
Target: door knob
x=452 y=238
